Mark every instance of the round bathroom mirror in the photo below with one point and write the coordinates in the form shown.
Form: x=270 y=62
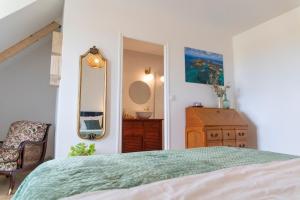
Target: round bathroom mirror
x=139 y=92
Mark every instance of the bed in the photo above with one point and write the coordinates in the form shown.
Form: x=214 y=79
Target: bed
x=278 y=180
x=63 y=178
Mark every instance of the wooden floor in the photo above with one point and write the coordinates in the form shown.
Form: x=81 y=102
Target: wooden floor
x=4 y=184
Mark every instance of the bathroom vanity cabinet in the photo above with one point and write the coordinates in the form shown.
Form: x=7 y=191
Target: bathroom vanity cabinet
x=141 y=135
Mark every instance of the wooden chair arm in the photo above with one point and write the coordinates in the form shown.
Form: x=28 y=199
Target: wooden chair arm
x=24 y=143
x=21 y=150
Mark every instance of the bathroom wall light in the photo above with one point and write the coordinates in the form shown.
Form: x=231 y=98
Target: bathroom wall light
x=162 y=79
x=148 y=76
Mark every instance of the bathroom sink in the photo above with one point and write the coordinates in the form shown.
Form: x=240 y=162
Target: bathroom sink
x=143 y=115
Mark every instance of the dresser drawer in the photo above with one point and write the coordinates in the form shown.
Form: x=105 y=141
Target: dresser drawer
x=241 y=134
x=214 y=143
x=214 y=134
x=228 y=134
x=229 y=143
x=241 y=143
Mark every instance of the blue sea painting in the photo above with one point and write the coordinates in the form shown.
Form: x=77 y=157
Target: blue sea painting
x=200 y=65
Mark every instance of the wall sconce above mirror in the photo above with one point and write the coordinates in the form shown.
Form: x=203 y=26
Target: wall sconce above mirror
x=92 y=95
x=95 y=59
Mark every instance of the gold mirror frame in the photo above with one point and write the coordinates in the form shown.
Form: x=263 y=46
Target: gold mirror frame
x=93 y=51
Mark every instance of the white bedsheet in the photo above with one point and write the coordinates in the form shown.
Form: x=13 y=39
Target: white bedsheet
x=276 y=180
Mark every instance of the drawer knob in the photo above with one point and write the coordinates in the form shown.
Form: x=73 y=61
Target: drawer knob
x=213 y=135
x=242 y=145
x=241 y=134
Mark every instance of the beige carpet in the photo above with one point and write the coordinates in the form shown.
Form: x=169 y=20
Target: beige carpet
x=4 y=184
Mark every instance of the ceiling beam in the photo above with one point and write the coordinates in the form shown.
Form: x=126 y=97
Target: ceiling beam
x=13 y=50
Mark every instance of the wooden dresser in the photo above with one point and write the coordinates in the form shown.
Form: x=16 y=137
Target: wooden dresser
x=206 y=127
x=141 y=135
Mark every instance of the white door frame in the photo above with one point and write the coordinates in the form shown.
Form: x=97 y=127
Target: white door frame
x=166 y=136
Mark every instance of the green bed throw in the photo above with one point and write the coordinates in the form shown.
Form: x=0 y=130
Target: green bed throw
x=66 y=177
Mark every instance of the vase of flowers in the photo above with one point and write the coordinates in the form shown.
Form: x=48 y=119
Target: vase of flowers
x=220 y=102
x=226 y=102
x=221 y=94
x=220 y=91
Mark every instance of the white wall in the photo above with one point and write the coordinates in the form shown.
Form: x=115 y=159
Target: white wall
x=135 y=64
x=100 y=22
x=267 y=78
x=25 y=91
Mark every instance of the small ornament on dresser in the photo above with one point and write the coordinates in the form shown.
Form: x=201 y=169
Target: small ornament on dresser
x=127 y=115
x=197 y=104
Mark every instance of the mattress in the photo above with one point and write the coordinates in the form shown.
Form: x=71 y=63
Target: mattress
x=66 y=177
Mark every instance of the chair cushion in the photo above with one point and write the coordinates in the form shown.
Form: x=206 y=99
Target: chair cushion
x=8 y=159
x=21 y=131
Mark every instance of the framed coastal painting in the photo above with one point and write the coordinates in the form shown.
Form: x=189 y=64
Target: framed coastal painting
x=201 y=66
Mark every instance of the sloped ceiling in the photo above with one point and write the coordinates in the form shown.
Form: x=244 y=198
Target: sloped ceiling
x=22 y=23
x=8 y=7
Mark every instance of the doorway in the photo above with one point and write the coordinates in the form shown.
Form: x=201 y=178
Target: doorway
x=144 y=106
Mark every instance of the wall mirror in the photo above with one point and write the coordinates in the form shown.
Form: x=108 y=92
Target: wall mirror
x=139 y=92
x=92 y=95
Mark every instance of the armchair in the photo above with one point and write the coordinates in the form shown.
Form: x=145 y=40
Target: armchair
x=23 y=149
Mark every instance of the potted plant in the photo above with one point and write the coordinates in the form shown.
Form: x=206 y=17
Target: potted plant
x=82 y=149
